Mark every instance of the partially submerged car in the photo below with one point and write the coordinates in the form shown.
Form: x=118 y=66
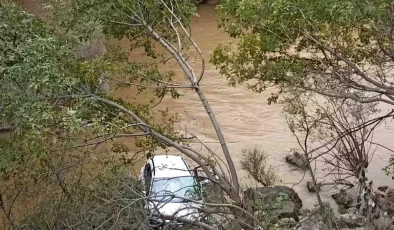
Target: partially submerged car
x=170 y=186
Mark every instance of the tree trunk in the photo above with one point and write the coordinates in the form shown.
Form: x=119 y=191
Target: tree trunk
x=368 y=207
x=222 y=141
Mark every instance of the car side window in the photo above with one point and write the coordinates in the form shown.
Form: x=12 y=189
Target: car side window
x=147 y=177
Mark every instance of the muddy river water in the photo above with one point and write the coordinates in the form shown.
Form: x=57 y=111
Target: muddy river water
x=246 y=118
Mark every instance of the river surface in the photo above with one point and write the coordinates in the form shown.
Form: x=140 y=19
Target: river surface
x=245 y=117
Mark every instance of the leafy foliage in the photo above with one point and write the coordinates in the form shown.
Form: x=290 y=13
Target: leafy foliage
x=255 y=163
x=109 y=201
x=336 y=48
x=122 y=19
x=50 y=88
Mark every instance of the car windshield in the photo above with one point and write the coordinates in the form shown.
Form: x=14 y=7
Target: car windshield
x=186 y=186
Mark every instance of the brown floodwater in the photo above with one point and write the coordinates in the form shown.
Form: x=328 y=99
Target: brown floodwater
x=245 y=117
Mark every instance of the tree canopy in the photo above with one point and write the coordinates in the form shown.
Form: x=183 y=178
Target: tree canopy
x=341 y=49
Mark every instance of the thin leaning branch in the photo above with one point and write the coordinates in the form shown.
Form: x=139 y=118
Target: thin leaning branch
x=162 y=85
x=191 y=40
x=348 y=96
x=158 y=135
x=352 y=65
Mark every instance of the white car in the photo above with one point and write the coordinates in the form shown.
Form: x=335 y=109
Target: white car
x=169 y=183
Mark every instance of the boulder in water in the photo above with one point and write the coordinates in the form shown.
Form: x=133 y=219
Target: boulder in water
x=311 y=187
x=346 y=197
x=297 y=159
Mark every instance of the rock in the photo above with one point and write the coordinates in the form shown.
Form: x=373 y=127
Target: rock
x=278 y=201
x=310 y=225
x=297 y=159
x=311 y=187
x=347 y=197
x=383 y=223
x=352 y=220
x=287 y=223
x=384 y=199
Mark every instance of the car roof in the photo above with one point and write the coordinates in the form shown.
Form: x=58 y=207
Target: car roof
x=166 y=166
